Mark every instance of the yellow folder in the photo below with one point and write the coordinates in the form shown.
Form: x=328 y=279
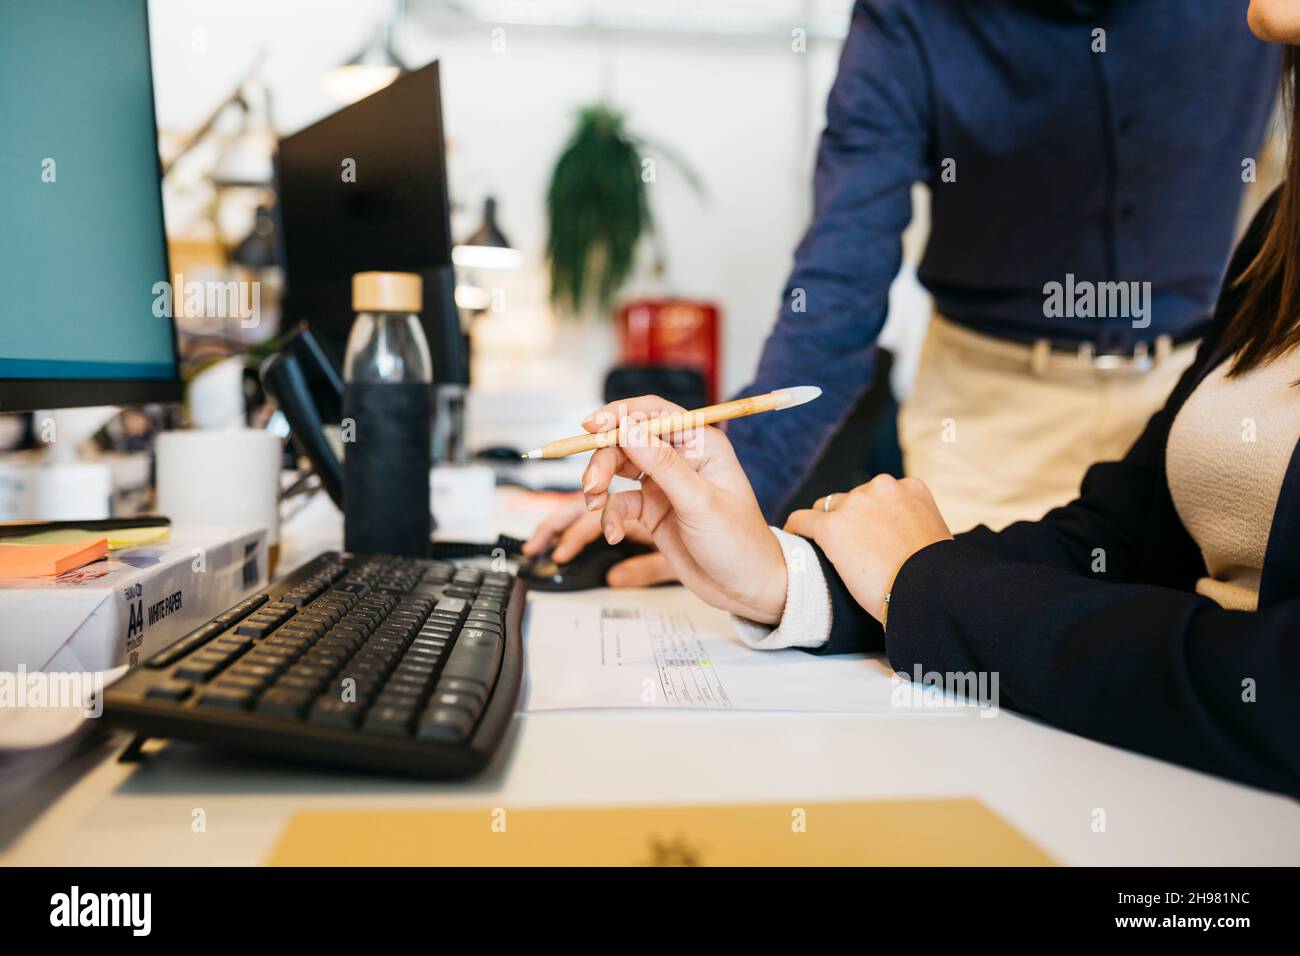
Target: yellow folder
x=938 y=832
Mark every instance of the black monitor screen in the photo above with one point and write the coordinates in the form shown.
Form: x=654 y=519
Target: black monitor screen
x=366 y=189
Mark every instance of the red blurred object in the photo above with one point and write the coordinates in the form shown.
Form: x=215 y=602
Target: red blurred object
x=672 y=332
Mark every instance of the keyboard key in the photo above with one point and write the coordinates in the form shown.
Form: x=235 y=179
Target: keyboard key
x=327 y=616
x=284 y=702
x=190 y=642
x=451 y=606
x=333 y=712
x=210 y=656
x=475 y=661
x=403 y=630
x=325 y=658
x=305 y=668
x=246 y=681
x=302 y=596
x=169 y=690
x=260 y=672
x=463 y=688
x=465 y=702
x=366 y=667
x=414 y=671
x=292 y=681
x=288 y=638
x=266 y=657
x=408 y=683
x=199 y=671
x=338 y=644
x=258 y=626
x=444 y=725
x=400 y=697
x=439 y=571
x=364 y=617
x=349 y=632
x=227 y=698
x=389 y=720
x=241 y=610
x=296 y=630
x=230 y=644
x=468 y=576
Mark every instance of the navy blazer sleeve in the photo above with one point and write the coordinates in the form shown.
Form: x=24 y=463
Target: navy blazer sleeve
x=1154 y=669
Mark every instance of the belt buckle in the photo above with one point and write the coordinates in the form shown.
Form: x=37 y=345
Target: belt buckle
x=1139 y=362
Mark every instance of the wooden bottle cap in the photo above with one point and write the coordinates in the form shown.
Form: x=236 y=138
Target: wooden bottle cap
x=387 y=292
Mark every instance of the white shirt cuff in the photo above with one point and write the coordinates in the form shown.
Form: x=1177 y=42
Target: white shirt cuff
x=806 y=619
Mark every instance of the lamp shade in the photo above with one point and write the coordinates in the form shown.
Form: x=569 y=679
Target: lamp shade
x=373 y=67
x=487 y=247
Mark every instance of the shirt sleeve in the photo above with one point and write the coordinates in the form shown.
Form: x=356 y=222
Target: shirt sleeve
x=806 y=620
x=876 y=144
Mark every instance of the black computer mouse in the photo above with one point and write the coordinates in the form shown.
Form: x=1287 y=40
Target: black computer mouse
x=587 y=570
x=499 y=453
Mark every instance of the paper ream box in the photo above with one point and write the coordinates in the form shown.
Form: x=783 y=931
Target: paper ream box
x=128 y=607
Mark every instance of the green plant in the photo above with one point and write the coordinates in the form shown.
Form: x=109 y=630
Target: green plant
x=598 y=209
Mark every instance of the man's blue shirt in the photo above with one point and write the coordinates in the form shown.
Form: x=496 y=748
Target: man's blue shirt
x=1063 y=141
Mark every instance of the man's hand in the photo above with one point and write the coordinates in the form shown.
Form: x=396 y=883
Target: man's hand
x=869 y=533
x=571 y=527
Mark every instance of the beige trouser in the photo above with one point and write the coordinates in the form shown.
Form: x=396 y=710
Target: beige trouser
x=1002 y=431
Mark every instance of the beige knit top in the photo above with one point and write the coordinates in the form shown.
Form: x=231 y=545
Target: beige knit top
x=1226 y=458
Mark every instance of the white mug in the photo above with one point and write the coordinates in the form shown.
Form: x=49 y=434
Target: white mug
x=221 y=478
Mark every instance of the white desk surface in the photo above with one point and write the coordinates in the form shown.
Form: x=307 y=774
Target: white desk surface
x=1046 y=782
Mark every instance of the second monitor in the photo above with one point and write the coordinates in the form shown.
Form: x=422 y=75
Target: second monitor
x=366 y=189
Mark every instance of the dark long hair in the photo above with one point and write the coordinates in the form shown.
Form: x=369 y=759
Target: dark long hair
x=1267 y=323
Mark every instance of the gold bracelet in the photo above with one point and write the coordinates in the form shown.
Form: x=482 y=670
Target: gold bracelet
x=884 y=612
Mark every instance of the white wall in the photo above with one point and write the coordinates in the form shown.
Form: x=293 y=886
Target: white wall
x=738 y=109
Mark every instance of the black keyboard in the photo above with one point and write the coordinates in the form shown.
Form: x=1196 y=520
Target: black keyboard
x=374 y=662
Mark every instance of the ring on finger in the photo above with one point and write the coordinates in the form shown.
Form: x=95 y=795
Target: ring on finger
x=826 y=502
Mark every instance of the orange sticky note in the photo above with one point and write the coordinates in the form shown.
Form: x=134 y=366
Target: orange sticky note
x=40 y=560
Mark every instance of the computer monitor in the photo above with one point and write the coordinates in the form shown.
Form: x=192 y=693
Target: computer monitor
x=366 y=188
x=82 y=245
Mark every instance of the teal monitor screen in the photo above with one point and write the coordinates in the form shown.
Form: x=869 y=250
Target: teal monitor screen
x=82 y=246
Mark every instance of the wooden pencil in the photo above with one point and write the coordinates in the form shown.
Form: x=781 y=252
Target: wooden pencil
x=683 y=421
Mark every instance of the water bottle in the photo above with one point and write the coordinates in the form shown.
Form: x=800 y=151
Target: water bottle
x=387 y=379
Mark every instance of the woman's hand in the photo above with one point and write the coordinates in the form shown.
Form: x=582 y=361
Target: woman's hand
x=869 y=533
x=695 y=502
